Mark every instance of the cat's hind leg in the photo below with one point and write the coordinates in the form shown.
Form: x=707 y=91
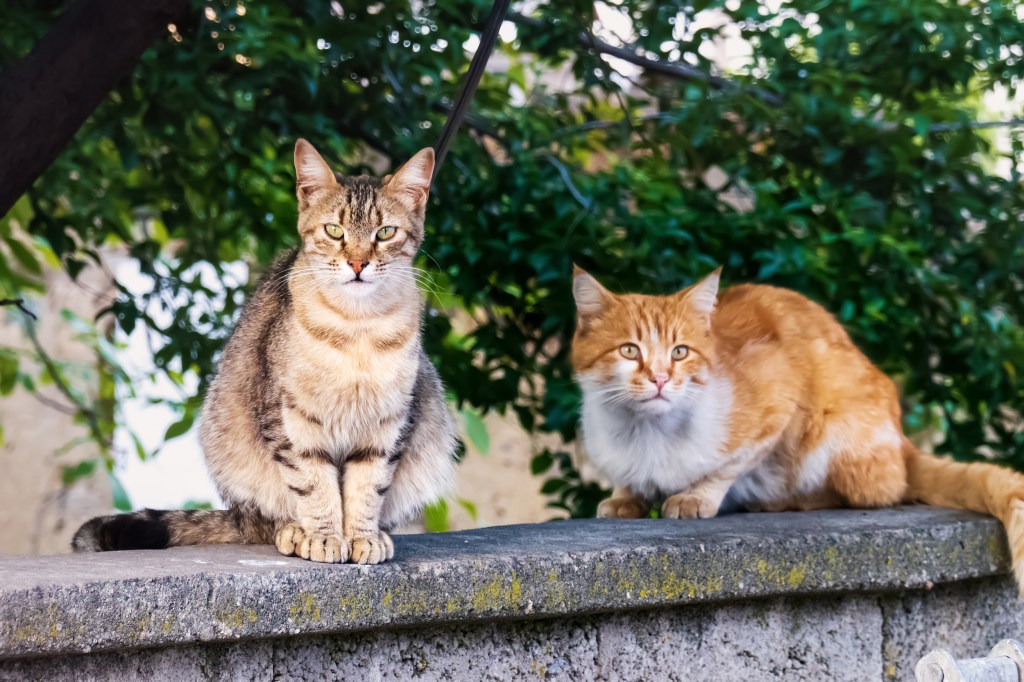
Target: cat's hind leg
x=425 y=472
x=870 y=471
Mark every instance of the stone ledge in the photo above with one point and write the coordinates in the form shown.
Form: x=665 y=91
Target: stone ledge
x=129 y=600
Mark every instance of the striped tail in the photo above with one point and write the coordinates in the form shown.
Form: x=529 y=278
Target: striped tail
x=159 y=529
x=980 y=487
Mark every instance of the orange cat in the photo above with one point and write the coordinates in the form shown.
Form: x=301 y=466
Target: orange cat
x=755 y=399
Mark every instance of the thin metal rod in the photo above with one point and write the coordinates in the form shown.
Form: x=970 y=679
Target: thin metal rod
x=476 y=70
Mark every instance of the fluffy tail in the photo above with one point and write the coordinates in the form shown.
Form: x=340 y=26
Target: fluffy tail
x=979 y=487
x=158 y=529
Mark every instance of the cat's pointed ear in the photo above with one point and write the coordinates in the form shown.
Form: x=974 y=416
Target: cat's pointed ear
x=704 y=294
x=311 y=172
x=412 y=180
x=591 y=297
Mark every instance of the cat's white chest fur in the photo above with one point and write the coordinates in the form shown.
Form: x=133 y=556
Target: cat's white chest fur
x=657 y=455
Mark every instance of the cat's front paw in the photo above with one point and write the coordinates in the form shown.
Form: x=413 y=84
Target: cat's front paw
x=326 y=548
x=687 y=506
x=622 y=508
x=371 y=549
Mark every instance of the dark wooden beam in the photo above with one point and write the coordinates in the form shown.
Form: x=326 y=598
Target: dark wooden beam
x=47 y=96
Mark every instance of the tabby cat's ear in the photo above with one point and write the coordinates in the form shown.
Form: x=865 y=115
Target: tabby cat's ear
x=704 y=294
x=591 y=297
x=412 y=180
x=311 y=172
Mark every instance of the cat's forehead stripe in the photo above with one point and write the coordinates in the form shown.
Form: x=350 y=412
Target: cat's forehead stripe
x=655 y=322
x=360 y=202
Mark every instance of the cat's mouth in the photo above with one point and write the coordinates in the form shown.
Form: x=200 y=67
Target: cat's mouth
x=360 y=287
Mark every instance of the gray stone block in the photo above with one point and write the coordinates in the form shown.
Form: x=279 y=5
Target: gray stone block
x=966 y=618
x=838 y=595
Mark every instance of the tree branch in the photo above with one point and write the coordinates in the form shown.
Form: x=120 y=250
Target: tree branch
x=89 y=414
x=475 y=122
x=673 y=70
x=567 y=179
x=20 y=304
x=685 y=72
x=975 y=125
x=48 y=95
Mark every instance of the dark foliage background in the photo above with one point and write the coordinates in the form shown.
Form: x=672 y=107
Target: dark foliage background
x=847 y=140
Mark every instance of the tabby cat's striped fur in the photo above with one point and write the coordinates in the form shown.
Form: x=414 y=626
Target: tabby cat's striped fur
x=326 y=425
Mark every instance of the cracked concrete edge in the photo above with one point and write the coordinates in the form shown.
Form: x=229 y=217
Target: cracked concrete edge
x=118 y=601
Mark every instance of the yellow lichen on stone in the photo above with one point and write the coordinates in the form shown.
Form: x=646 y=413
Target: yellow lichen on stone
x=27 y=634
x=796 y=576
x=237 y=617
x=135 y=630
x=998 y=549
x=555 y=596
x=357 y=607
x=414 y=603
x=495 y=596
x=53 y=624
x=305 y=607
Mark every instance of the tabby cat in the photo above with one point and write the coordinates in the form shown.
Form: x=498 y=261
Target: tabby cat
x=326 y=425
x=754 y=399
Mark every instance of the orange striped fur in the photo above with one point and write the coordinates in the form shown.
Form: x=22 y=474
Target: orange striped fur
x=753 y=399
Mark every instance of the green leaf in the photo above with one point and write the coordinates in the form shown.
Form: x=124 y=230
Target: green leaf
x=180 y=427
x=21 y=213
x=84 y=469
x=8 y=372
x=435 y=517
x=470 y=508
x=541 y=463
x=553 y=485
x=24 y=257
x=476 y=430
x=117 y=491
x=140 y=449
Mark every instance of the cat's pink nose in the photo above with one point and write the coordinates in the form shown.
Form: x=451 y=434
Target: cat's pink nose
x=358 y=265
x=659 y=380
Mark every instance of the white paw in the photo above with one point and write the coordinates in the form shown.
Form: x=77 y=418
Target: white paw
x=371 y=549
x=326 y=548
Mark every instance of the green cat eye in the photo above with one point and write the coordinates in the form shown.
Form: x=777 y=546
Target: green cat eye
x=386 y=232
x=680 y=352
x=630 y=351
x=335 y=230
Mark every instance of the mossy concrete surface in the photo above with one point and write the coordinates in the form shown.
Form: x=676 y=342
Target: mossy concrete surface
x=133 y=600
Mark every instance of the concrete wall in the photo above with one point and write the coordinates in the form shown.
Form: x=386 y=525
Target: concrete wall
x=853 y=638
x=38 y=515
x=839 y=595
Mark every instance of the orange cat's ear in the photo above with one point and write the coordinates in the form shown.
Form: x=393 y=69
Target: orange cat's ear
x=704 y=294
x=413 y=178
x=591 y=297
x=311 y=172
